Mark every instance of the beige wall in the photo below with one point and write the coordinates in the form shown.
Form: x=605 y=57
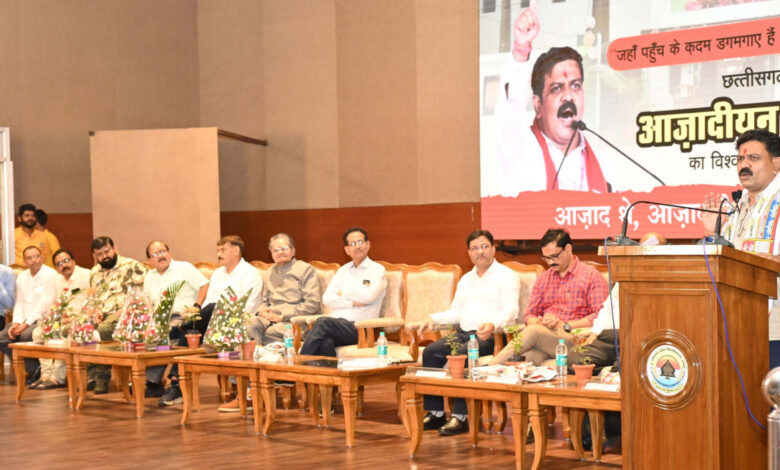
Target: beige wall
x=364 y=102
x=72 y=66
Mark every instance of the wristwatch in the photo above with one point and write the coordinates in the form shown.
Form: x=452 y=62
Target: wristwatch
x=566 y=327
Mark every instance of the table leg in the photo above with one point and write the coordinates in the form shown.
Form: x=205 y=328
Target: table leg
x=473 y=407
x=257 y=403
x=401 y=396
x=139 y=389
x=241 y=392
x=81 y=376
x=414 y=409
x=596 y=418
x=124 y=378
x=311 y=392
x=21 y=374
x=185 y=384
x=269 y=403
x=70 y=376
x=195 y=389
x=519 y=426
x=326 y=398
x=349 y=397
x=576 y=416
x=538 y=424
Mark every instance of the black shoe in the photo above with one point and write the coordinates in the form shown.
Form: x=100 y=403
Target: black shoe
x=101 y=387
x=529 y=437
x=34 y=377
x=433 y=422
x=172 y=396
x=90 y=385
x=454 y=426
x=153 y=390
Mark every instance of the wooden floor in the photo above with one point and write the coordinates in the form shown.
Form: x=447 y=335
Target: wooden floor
x=40 y=432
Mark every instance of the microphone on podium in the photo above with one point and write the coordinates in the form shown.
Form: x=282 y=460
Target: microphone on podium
x=717 y=239
x=580 y=125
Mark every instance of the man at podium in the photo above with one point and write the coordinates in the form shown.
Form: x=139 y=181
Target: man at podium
x=753 y=225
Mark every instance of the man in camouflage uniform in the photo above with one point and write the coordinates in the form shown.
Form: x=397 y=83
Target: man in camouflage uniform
x=110 y=279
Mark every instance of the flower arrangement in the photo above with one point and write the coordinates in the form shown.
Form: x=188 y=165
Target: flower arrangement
x=82 y=328
x=55 y=319
x=134 y=321
x=227 y=328
x=160 y=324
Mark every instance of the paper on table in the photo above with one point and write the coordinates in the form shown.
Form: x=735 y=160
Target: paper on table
x=359 y=363
x=436 y=374
x=503 y=379
x=602 y=386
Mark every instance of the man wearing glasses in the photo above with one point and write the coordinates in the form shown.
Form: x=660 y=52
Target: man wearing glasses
x=487 y=297
x=291 y=289
x=110 y=278
x=192 y=294
x=76 y=280
x=355 y=293
x=569 y=295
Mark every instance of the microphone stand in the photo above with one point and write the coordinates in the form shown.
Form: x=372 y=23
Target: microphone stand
x=581 y=125
x=623 y=240
x=717 y=239
x=565 y=154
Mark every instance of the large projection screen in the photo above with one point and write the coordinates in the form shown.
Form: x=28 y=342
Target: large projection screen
x=671 y=83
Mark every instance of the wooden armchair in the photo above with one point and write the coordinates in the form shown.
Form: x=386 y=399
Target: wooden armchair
x=428 y=288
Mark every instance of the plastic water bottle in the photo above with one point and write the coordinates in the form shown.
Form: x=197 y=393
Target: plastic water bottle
x=561 y=360
x=381 y=350
x=473 y=348
x=289 y=349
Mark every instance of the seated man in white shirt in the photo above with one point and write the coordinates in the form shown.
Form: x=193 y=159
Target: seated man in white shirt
x=487 y=297
x=165 y=272
x=36 y=290
x=355 y=293
x=233 y=272
x=73 y=278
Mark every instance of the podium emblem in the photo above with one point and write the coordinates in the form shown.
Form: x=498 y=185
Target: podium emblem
x=667 y=370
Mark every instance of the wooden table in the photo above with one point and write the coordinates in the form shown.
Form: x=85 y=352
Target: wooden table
x=473 y=392
x=319 y=373
x=190 y=368
x=111 y=353
x=578 y=400
x=42 y=351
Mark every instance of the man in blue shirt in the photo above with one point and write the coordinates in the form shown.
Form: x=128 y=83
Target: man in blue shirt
x=7 y=290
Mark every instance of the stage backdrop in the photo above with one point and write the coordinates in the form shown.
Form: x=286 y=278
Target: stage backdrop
x=671 y=83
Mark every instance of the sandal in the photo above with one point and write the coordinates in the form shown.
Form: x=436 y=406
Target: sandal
x=34 y=385
x=49 y=384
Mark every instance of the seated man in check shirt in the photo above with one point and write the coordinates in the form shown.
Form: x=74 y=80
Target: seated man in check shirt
x=355 y=293
x=565 y=297
x=487 y=297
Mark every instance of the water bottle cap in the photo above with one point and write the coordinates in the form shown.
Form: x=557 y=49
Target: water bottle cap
x=472 y=336
x=290 y=326
x=381 y=333
x=560 y=340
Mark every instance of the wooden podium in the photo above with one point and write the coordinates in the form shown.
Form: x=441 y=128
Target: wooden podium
x=682 y=400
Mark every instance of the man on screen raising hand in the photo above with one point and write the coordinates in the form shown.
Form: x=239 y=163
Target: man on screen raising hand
x=531 y=153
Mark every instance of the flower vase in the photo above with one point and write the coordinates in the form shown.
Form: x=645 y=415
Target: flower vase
x=248 y=350
x=583 y=372
x=457 y=365
x=193 y=340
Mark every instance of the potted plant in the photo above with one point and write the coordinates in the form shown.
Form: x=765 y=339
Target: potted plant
x=190 y=316
x=583 y=368
x=517 y=345
x=456 y=361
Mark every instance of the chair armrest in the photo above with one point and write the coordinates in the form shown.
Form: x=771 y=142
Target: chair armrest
x=380 y=323
x=304 y=319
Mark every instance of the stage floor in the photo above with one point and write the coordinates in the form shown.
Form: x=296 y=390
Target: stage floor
x=40 y=432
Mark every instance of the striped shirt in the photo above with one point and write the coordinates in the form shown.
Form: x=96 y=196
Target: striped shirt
x=578 y=294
